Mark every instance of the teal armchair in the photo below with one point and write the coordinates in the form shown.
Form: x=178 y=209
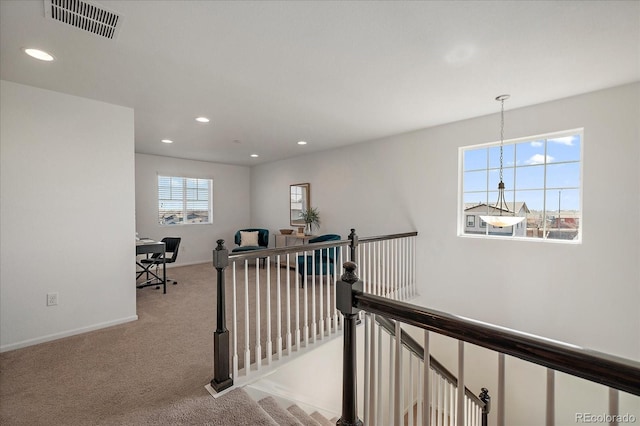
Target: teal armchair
x=321 y=261
x=251 y=239
x=250 y=242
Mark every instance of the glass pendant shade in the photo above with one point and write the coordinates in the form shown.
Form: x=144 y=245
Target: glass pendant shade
x=501 y=220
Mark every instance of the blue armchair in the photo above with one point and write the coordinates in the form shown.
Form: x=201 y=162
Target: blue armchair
x=322 y=260
x=251 y=239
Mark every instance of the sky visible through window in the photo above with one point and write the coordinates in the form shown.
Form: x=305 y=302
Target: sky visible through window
x=542 y=172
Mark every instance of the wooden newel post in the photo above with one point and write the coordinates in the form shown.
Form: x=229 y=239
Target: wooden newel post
x=345 y=289
x=353 y=246
x=484 y=397
x=221 y=377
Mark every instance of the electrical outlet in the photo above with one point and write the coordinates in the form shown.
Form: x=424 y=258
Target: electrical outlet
x=52 y=299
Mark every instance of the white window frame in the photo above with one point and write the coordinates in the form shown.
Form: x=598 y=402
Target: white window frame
x=510 y=186
x=181 y=198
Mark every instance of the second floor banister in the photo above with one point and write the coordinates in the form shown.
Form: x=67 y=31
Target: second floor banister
x=617 y=373
x=273 y=302
x=609 y=370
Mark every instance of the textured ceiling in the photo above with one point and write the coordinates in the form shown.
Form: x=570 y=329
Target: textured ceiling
x=269 y=74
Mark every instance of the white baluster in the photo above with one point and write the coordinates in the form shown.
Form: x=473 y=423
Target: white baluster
x=321 y=304
x=329 y=279
x=363 y=253
x=337 y=269
x=402 y=268
x=391 y=386
x=407 y=263
x=279 y=307
x=305 y=303
x=410 y=265
x=551 y=398
x=501 y=389
x=234 y=325
x=268 y=303
x=375 y=262
x=394 y=261
x=385 y=262
x=420 y=400
x=367 y=367
x=258 y=345
x=460 y=396
x=297 y=292
x=440 y=401
x=397 y=389
x=614 y=406
x=426 y=397
x=379 y=402
x=314 y=330
x=247 y=345
x=373 y=373
x=411 y=394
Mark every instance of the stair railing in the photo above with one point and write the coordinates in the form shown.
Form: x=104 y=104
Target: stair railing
x=276 y=309
x=411 y=400
x=619 y=374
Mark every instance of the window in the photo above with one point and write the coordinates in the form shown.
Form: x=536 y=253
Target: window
x=542 y=176
x=471 y=221
x=183 y=200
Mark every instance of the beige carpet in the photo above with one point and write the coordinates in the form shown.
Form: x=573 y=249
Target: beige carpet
x=124 y=374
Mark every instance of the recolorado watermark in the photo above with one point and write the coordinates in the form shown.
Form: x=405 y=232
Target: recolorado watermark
x=605 y=418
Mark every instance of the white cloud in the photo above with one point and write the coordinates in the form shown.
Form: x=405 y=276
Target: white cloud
x=538 y=159
x=567 y=140
x=536 y=144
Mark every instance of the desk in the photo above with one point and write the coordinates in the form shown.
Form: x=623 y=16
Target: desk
x=151 y=247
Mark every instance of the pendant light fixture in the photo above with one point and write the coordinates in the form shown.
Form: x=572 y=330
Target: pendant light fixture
x=508 y=219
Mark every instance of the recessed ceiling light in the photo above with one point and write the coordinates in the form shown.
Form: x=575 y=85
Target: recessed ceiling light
x=167 y=141
x=39 y=54
x=202 y=119
x=302 y=143
x=254 y=155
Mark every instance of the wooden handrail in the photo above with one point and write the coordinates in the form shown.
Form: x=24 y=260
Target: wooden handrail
x=388 y=237
x=609 y=370
x=267 y=252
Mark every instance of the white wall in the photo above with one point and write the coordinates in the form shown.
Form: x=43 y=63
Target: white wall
x=231 y=199
x=67 y=215
x=587 y=294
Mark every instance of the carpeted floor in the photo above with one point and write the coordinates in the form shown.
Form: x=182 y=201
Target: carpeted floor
x=126 y=373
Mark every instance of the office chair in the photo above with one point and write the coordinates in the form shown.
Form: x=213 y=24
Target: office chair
x=172 y=244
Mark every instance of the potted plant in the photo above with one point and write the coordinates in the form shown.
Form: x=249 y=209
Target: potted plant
x=312 y=219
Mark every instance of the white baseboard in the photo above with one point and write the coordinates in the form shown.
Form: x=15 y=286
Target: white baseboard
x=56 y=336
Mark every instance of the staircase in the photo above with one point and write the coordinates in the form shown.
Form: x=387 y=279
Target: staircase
x=267 y=411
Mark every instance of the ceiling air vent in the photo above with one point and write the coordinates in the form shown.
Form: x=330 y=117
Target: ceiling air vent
x=84 y=15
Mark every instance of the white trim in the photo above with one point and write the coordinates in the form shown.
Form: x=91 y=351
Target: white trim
x=462 y=215
x=68 y=333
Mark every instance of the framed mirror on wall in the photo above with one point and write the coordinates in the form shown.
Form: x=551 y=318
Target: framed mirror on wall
x=300 y=200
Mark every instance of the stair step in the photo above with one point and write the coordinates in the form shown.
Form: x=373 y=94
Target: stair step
x=279 y=414
x=322 y=420
x=302 y=416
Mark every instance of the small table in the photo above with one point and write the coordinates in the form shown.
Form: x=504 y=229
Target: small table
x=151 y=247
x=293 y=239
